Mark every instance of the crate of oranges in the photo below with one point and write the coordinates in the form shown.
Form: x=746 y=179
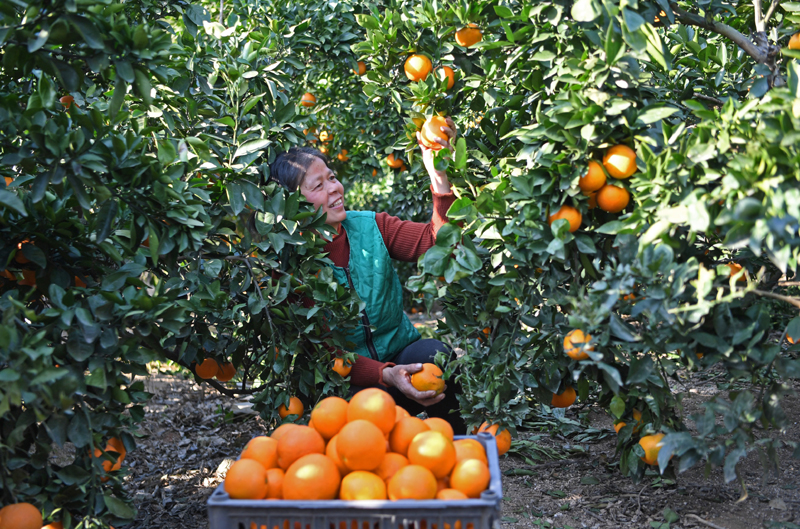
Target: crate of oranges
x=363 y=464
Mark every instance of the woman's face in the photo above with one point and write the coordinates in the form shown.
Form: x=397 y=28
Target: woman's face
x=323 y=189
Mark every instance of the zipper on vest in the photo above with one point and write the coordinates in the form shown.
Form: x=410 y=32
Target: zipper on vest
x=364 y=319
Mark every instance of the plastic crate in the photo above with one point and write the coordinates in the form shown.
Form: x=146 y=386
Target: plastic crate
x=482 y=513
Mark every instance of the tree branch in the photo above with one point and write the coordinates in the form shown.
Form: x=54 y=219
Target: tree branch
x=759 y=15
x=787 y=299
x=770 y=11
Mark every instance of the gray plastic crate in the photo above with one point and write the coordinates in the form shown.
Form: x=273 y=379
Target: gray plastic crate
x=482 y=513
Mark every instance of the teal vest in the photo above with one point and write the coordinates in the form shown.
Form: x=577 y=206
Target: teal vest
x=371 y=274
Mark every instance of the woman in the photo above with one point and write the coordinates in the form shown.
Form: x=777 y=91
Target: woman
x=389 y=347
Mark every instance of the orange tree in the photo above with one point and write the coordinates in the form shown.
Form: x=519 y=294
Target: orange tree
x=648 y=266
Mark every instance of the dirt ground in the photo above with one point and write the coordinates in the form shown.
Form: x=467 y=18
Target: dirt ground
x=190 y=436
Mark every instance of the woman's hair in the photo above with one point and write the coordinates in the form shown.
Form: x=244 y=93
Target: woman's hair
x=290 y=167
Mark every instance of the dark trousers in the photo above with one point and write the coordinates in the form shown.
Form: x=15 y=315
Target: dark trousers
x=420 y=352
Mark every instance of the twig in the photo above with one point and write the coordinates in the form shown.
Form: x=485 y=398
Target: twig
x=595 y=515
x=705 y=522
x=789 y=283
x=770 y=11
x=787 y=299
x=639 y=501
x=710 y=99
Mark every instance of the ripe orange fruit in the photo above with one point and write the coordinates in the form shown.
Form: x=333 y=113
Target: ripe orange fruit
x=469 y=449
x=735 y=269
x=393 y=162
x=392 y=462
x=19 y=256
x=325 y=136
x=342 y=156
x=374 y=172
x=361 y=445
x=108 y=466
x=430 y=378
x=594 y=178
x=503 y=439
x=28 y=278
x=208 y=369
x=340 y=367
x=329 y=415
x=471 y=477
x=564 y=399
x=434 y=451
x=298 y=442
x=362 y=68
x=413 y=482
x=374 y=405
x=613 y=199
x=651 y=445
x=51 y=525
x=115 y=445
x=21 y=516
x=362 y=485
x=262 y=449
x=308 y=100
x=576 y=344
x=788 y=339
x=332 y=452
x=620 y=161
x=67 y=100
x=404 y=432
x=794 y=42
x=468 y=36
x=275 y=482
x=432 y=129
x=417 y=67
x=246 y=480
x=226 y=372
x=9 y=180
x=572 y=215
x=295 y=408
x=282 y=430
x=311 y=477
x=400 y=412
x=446 y=71
x=440 y=425
x=619 y=426
x=592 y=200
x=451 y=494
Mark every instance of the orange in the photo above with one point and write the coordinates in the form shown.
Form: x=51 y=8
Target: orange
x=592 y=200
x=362 y=485
x=282 y=430
x=374 y=172
x=788 y=338
x=564 y=399
x=417 y=67
x=308 y=100
x=446 y=71
x=413 y=482
x=440 y=425
x=503 y=439
x=432 y=129
x=735 y=269
x=79 y=282
x=451 y=494
x=208 y=369
x=613 y=199
x=469 y=36
x=572 y=215
x=594 y=178
x=226 y=372
x=374 y=405
x=362 y=68
x=262 y=449
x=652 y=446
x=246 y=480
x=333 y=453
x=340 y=367
x=620 y=161
x=342 y=156
x=67 y=100
x=404 y=432
x=433 y=450
x=329 y=415
x=794 y=42
x=21 y=516
x=619 y=426
x=469 y=449
x=576 y=344
x=393 y=162
x=9 y=180
x=51 y=525
x=275 y=482
x=400 y=412
x=361 y=445
x=391 y=463
x=325 y=136
x=470 y=477
x=295 y=408
x=298 y=442
x=311 y=477
x=429 y=379
x=115 y=445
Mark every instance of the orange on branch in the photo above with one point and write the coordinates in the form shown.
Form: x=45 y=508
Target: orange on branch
x=362 y=68
x=469 y=36
x=503 y=439
x=67 y=101
x=572 y=215
x=393 y=162
x=564 y=399
x=619 y=426
x=613 y=199
x=417 y=67
x=429 y=379
x=20 y=516
x=594 y=178
x=620 y=161
x=794 y=42
x=652 y=446
x=295 y=408
x=446 y=72
x=576 y=343
x=342 y=156
x=208 y=369
x=308 y=100
x=226 y=372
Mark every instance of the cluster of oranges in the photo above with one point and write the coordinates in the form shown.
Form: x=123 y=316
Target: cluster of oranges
x=210 y=368
x=619 y=162
x=365 y=449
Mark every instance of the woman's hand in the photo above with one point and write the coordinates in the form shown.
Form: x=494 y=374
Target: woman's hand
x=400 y=377
x=438 y=178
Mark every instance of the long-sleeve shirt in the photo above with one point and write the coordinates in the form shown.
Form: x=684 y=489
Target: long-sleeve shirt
x=406 y=241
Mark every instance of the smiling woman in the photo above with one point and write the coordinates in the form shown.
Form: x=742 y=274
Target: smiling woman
x=389 y=347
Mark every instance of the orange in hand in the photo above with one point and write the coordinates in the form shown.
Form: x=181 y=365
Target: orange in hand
x=430 y=378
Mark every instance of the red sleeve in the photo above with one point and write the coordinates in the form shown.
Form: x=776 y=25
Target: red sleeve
x=367 y=372
x=407 y=240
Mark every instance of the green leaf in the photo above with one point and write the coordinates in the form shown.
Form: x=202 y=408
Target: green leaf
x=235 y=197
x=78 y=430
x=251 y=147
x=35 y=254
x=88 y=31
x=143 y=86
x=503 y=11
x=461 y=154
x=166 y=151
x=653 y=114
x=586 y=10
x=120 y=90
x=119 y=508
x=617 y=406
x=10 y=200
